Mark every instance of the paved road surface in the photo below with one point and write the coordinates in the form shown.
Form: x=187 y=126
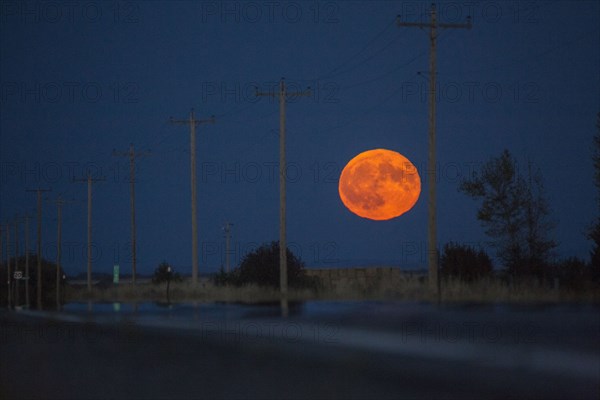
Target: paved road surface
x=321 y=350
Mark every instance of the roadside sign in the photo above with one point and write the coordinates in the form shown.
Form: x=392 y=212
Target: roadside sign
x=116 y=274
x=18 y=275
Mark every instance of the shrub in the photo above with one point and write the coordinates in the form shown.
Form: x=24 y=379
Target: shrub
x=571 y=272
x=261 y=267
x=223 y=278
x=164 y=273
x=465 y=263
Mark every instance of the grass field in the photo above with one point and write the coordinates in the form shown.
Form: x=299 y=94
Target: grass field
x=410 y=289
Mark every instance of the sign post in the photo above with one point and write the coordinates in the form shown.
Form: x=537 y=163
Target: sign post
x=116 y=274
x=18 y=275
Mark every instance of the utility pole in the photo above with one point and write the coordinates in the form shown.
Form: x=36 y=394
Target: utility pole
x=89 y=181
x=227 y=229
x=432 y=252
x=132 y=155
x=39 y=244
x=283 y=95
x=192 y=122
x=27 y=217
x=1 y=228
x=59 y=204
x=9 y=281
x=16 y=296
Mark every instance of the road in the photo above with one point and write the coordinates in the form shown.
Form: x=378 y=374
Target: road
x=320 y=350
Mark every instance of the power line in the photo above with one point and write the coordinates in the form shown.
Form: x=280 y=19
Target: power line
x=365 y=60
x=518 y=61
x=332 y=73
x=359 y=116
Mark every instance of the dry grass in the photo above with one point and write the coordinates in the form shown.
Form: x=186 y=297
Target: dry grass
x=411 y=289
x=495 y=290
x=181 y=292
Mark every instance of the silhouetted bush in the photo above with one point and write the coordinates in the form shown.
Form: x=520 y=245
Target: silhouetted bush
x=571 y=272
x=223 y=278
x=594 y=235
x=261 y=267
x=164 y=273
x=465 y=263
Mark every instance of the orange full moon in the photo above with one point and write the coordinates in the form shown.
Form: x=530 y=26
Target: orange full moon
x=379 y=184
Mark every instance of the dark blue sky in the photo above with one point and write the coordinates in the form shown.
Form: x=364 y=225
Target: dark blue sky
x=79 y=80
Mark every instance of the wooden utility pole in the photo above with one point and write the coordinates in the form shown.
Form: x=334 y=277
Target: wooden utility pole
x=283 y=95
x=9 y=281
x=1 y=228
x=16 y=295
x=59 y=204
x=27 y=217
x=132 y=155
x=89 y=181
x=39 y=244
x=432 y=252
x=227 y=229
x=192 y=122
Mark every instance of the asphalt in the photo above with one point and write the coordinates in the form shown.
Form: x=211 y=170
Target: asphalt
x=321 y=350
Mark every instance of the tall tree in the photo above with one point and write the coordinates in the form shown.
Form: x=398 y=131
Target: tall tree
x=514 y=212
x=501 y=192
